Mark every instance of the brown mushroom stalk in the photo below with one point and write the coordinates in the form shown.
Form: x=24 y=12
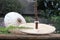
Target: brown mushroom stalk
x=36 y=14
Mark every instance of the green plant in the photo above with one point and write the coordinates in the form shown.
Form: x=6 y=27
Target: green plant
x=27 y=18
x=56 y=22
x=48 y=8
x=4 y=30
x=9 y=6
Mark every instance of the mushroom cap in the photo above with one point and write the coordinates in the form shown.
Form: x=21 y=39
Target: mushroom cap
x=42 y=28
x=13 y=19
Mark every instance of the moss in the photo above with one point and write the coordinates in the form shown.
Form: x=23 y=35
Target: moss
x=4 y=30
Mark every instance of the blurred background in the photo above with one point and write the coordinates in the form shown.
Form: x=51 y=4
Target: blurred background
x=48 y=10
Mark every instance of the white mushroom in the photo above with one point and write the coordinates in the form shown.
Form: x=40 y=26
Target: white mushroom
x=14 y=19
x=42 y=28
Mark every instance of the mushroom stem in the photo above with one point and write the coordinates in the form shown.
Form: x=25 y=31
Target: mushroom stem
x=19 y=20
x=36 y=24
x=36 y=14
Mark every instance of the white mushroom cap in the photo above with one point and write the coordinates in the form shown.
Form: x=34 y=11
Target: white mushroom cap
x=14 y=19
x=42 y=28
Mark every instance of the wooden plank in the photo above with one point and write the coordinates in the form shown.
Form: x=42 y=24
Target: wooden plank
x=25 y=36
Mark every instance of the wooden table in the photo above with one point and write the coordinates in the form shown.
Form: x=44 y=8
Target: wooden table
x=30 y=37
